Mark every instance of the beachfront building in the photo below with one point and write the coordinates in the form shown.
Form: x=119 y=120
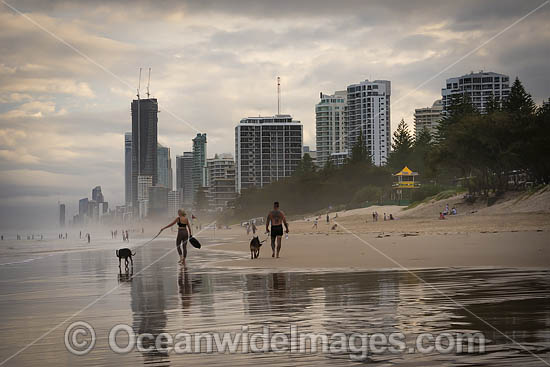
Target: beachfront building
x=312 y=154
x=267 y=149
x=61 y=215
x=368 y=113
x=158 y=201
x=339 y=159
x=164 y=167
x=128 y=168
x=428 y=118
x=174 y=202
x=220 y=181
x=144 y=183
x=330 y=125
x=479 y=87
x=144 y=143
x=184 y=178
x=199 y=162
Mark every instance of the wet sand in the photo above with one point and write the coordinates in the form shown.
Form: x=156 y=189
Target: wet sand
x=42 y=297
x=516 y=240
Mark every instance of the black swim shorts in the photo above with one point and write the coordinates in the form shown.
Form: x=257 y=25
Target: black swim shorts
x=277 y=230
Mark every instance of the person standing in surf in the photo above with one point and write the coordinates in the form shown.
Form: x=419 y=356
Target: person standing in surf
x=184 y=232
x=277 y=218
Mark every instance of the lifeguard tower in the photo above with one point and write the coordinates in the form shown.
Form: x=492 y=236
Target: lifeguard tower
x=404 y=182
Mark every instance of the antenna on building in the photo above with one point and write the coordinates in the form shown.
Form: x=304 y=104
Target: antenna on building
x=278 y=95
x=148 y=81
x=139 y=83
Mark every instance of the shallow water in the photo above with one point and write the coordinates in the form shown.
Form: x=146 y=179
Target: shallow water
x=506 y=305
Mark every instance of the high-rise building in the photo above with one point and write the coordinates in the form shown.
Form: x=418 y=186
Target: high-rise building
x=184 y=178
x=164 y=166
x=428 y=118
x=158 y=200
x=144 y=143
x=479 y=87
x=174 y=202
x=368 y=113
x=220 y=180
x=97 y=195
x=128 y=168
x=144 y=183
x=330 y=125
x=199 y=162
x=83 y=209
x=62 y=215
x=266 y=150
x=312 y=154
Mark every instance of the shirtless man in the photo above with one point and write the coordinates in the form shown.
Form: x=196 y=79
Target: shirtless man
x=277 y=219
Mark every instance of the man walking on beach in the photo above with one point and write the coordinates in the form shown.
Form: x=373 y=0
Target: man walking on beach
x=277 y=218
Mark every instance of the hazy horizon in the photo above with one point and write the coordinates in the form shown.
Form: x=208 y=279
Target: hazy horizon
x=63 y=116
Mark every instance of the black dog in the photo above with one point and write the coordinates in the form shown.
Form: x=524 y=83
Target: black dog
x=125 y=253
x=255 y=245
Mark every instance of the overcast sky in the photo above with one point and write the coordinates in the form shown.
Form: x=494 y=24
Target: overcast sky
x=64 y=108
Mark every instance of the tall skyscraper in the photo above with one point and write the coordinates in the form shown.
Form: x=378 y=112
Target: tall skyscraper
x=128 y=168
x=184 y=178
x=428 y=118
x=174 y=202
x=97 y=195
x=199 y=161
x=479 y=87
x=330 y=126
x=83 y=209
x=62 y=215
x=368 y=113
x=144 y=143
x=266 y=150
x=164 y=166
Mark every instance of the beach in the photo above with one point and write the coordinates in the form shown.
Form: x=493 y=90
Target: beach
x=470 y=273
x=518 y=240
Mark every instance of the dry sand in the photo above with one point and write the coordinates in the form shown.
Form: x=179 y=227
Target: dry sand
x=477 y=237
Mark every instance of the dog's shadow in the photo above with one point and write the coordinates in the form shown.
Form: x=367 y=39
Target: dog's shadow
x=125 y=277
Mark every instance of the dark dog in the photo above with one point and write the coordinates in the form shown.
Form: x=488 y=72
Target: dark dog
x=255 y=245
x=125 y=253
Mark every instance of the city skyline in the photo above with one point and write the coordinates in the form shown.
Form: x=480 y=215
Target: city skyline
x=39 y=109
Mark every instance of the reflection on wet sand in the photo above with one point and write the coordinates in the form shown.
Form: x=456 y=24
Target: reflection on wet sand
x=165 y=298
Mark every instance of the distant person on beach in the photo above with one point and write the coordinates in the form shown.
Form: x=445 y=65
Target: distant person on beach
x=127 y=236
x=315 y=223
x=384 y=217
x=441 y=216
x=184 y=232
x=277 y=218
x=89 y=238
x=247 y=229
x=254 y=228
x=391 y=217
x=328 y=218
x=453 y=211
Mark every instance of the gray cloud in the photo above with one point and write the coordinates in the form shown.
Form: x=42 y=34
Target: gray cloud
x=62 y=119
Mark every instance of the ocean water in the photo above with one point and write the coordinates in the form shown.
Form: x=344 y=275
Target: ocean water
x=47 y=285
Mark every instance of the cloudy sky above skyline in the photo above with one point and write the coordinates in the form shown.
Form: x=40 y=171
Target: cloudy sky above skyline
x=64 y=107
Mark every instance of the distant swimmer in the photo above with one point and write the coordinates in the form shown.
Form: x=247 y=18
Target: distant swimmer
x=184 y=232
x=277 y=218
